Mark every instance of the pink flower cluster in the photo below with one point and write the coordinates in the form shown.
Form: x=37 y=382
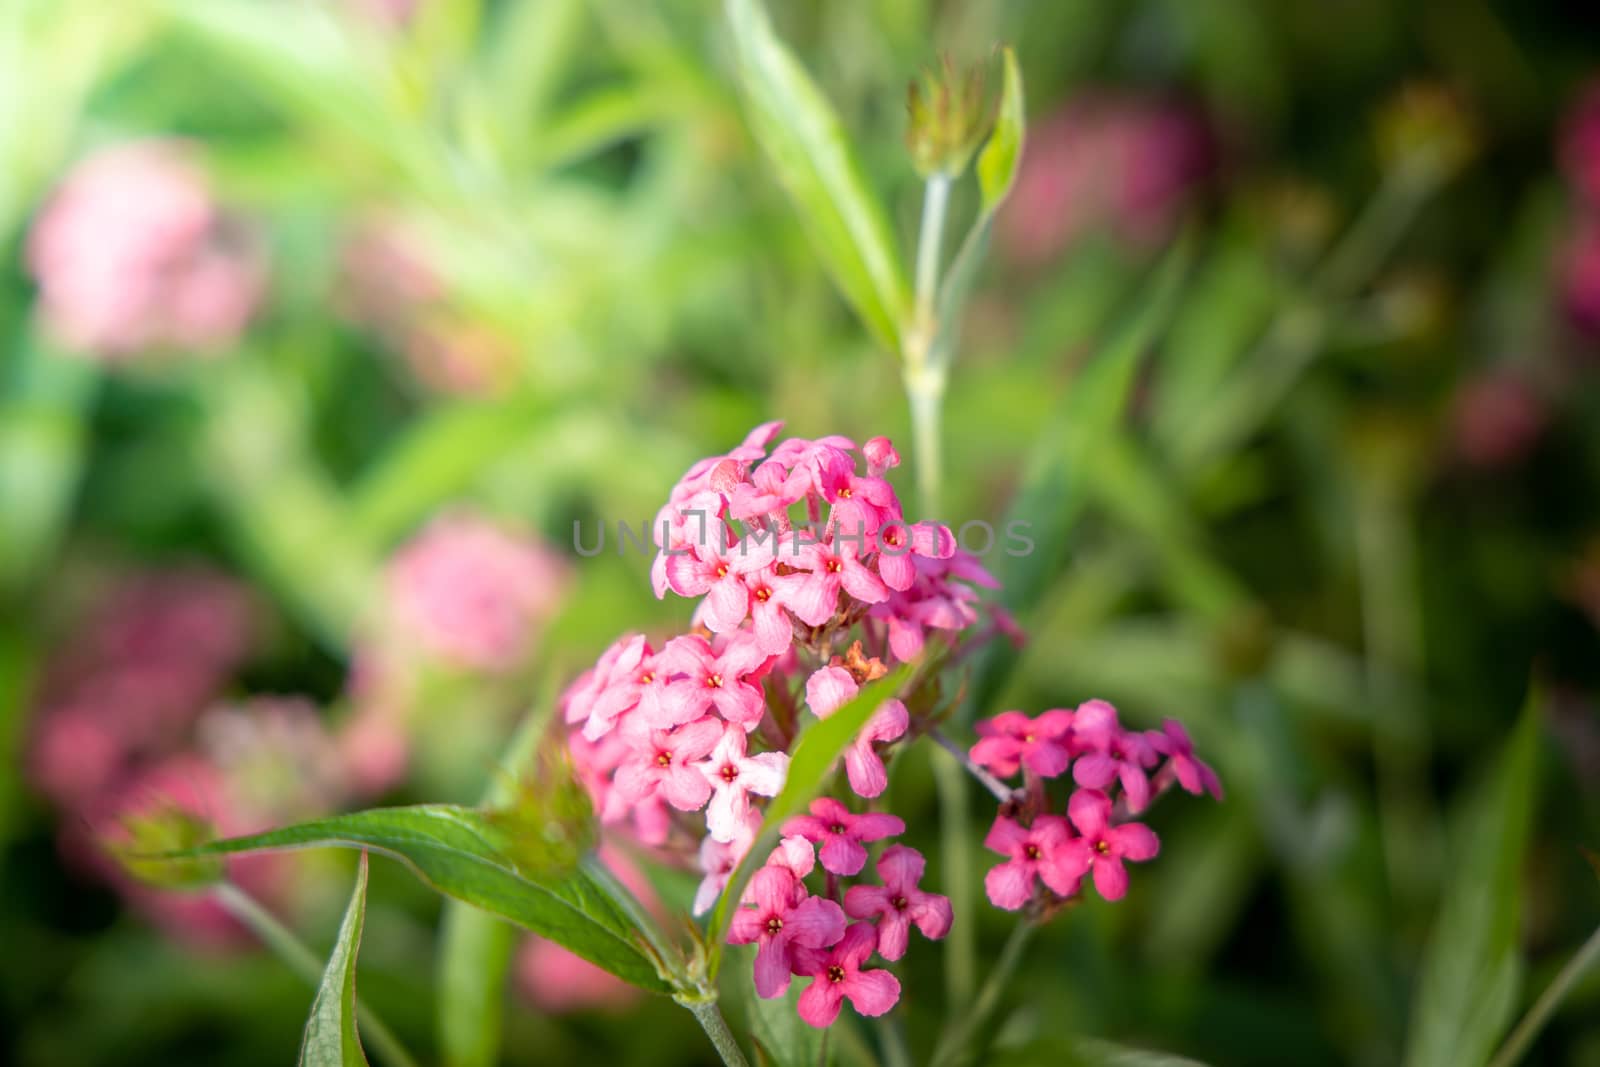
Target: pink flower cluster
x=798 y=933
x=796 y=557
x=1117 y=773
x=132 y=253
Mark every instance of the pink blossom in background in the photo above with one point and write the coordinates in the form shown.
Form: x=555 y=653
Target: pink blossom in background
x=1579 y=270
x=1497 y=418
x=473 y=593
x=132 y=253
x=153 y=649
x=390 y=14
x=1580 y=144
x=1104 y=161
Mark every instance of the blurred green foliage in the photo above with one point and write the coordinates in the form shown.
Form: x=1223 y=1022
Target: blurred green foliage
x=1238 y=445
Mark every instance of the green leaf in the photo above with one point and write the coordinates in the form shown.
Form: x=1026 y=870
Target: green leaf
x=815 y=754
x=475 y=947
x=1052 y=495
x=807 y=145
x=330 y=1039
x=473 y=856
x=43 y=420
x=781 y=1037
x=997 y=172
x=1470 y=968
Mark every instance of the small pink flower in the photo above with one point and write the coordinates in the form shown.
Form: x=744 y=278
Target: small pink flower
x=711 y=570
x=612 y=687
x=1102 y=847
x=1172 y=741
x=719 y=858
x=795 y=853
x=829 y=689
x=899 y=543
x=862 y=764
x=1111 y=754
x=1011 y=740
x=780 y=917
x=1042 y=849
x=899 y=902
x=842 y=834
x=837 y=976
x=881 y=456
x=734 y=776
x=666 y=761
x=712 y=679
x=827 y=569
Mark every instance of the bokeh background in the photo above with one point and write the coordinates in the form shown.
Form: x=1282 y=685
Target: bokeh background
x=321 y=325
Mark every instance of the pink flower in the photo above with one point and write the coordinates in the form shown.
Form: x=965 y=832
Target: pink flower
x=1580 y=144
x=1011 y=740
x=665 y=760
x=132 y=253
x=837 y=976
x=558 y=982
x=829 y=689
x=842 y=834
x=898 y=543
x=779 y=917
x=899 y=902
x=719 y=858
x=1102 y=846
x=862 y=764
x=711 y=570
x=474 y=593
x=1172 y=741
x=1111 y=754
x=795 y=853
x=1497 y=419
x=1580 y=277
x=1043 y=849
x=713 y=679
x=881 y=456
x=827 y=569
x=611 y=687
x=734 y=776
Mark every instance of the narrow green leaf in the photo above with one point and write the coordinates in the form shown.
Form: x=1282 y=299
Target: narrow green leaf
x=1470 y=968
x=43 y=415
x=815 y=754
x=997 y=172
x=1052 y=495
x=472 y=856
x=814 y=160
x=330 y=1038
x=997 y=163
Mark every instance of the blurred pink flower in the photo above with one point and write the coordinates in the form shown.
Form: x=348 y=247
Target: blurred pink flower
x=132 y=253
x=473 y=593
x=1105 y=160
x=1579 y=270
x=1580 y=144
x=153 y=650
x=1497 y=419
x=391 y=14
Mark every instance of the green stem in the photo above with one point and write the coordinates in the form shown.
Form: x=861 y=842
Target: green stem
x=960 y=1035
x=716 y=1028
x=930 y=242
x=303 y=962
x=1540 y=1013
x=961 y=946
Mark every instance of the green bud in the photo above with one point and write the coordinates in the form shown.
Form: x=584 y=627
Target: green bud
x=949 y=116
x=147 y=841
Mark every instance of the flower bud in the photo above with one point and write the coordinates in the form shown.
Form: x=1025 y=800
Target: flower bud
x=949 y=118
x=143 y=843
